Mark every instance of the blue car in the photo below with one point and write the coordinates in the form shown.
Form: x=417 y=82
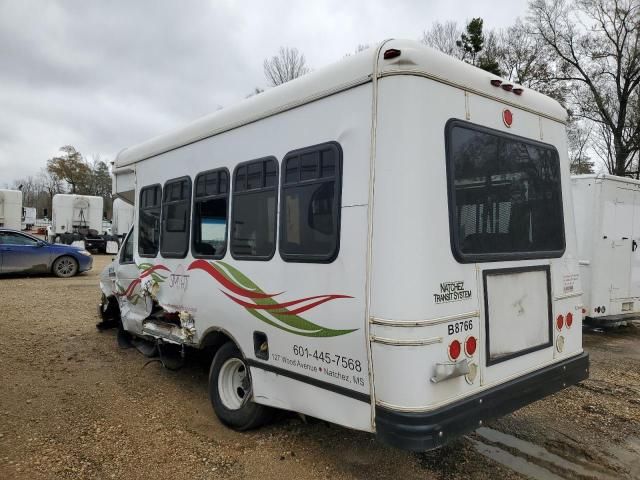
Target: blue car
x=23 y=253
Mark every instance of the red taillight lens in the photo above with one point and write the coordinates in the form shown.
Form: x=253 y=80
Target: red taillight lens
x=496 y=82
x=507 y=86
x=518 y=91
x=559 y=322
x=569 y=320
x=470 y=346
x=455 y=349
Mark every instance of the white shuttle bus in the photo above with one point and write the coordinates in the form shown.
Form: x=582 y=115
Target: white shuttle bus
x=607 y=213
x=386 y=243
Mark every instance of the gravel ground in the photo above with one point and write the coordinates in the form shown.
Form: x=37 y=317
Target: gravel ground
x=74 y=405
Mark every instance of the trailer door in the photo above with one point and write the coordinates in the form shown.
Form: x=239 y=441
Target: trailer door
x=617 y=232
x=634 y=283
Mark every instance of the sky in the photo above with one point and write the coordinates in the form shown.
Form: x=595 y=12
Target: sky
x=105 y=75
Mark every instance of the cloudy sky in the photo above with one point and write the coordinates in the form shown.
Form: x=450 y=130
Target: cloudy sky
x=106 y=75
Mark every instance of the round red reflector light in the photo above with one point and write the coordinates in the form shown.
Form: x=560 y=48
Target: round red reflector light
x=455 y=349
x=507 y=117
x=470 y=346
x=569 y=320
x=559 y=322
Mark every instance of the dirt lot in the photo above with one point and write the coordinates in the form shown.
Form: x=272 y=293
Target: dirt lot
x=74 y=405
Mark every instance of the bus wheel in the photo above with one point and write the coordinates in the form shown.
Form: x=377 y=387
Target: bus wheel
x=230 y=391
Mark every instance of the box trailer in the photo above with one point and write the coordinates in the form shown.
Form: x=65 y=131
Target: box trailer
x=78 y=218
x=11 y=209
x=28 y=217
x=386 y=243
x=607 y=214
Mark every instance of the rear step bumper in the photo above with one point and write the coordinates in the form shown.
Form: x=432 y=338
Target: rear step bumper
x=421 y=431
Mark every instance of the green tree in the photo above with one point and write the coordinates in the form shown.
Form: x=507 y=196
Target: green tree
x=71 y=168
x=474 y=46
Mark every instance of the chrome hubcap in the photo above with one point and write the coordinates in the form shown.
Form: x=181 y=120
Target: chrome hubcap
x=233 y=384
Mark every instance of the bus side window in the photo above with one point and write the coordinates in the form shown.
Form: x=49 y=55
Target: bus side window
x=210 y=211
x=310 y=204
x=176 y=213
x=149 y=221
x=253 y=213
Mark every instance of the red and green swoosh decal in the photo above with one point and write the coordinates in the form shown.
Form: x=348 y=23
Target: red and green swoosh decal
x=244 y=292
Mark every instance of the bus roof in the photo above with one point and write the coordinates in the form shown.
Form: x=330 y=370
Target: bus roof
x=415 y=59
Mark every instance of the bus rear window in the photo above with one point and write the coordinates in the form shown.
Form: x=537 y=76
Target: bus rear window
x=505 y=196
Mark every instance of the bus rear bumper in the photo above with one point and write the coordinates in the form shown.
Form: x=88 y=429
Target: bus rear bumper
x=421 y=431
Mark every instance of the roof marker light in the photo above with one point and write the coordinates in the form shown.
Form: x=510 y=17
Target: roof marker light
x=507 y=86
x=518 y=90
x=496 y=82
x=391 y=53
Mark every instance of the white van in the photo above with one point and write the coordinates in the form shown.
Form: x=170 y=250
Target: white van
x=607 y=213
x=386 y=243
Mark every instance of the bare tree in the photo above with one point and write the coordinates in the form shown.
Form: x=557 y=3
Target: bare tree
x=596 y=45
x=287 y=65
x=443 y=37
x=579 y=139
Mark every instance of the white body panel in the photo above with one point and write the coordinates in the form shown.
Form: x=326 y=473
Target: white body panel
x=389 y=118
x=28 y=216
x=608 y=225
x=11 y=209
x=122 y=218
x=70 y=212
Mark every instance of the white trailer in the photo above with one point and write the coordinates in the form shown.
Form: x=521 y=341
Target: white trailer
x=72 y=213
x=28 y=217
x=386 y=243
x=607 y=213
x=122 y=218
x=11 y=209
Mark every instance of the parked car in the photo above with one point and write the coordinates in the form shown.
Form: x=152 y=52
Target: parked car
x=24 y=253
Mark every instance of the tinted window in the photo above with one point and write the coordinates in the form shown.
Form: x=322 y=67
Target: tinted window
x=505 y=196
x=176 y=212
x=10 y=238
x=210 y=214
x=127 y=250
x=149 y=221
x=310 y=208
x=253 y=235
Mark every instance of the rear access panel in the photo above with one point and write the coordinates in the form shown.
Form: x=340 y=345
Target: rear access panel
x=517 y=305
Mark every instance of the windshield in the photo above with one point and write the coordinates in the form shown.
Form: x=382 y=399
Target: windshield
x=505 y=196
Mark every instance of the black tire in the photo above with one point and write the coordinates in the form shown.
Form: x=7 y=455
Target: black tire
x=250 y=414
x=65 y=267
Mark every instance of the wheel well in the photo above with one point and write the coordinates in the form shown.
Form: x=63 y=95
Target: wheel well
x=214 y=339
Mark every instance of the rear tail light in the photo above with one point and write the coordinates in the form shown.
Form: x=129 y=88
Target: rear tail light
x=470 y=346
x=569 y=319
x=455 y=348
x=559 y=322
